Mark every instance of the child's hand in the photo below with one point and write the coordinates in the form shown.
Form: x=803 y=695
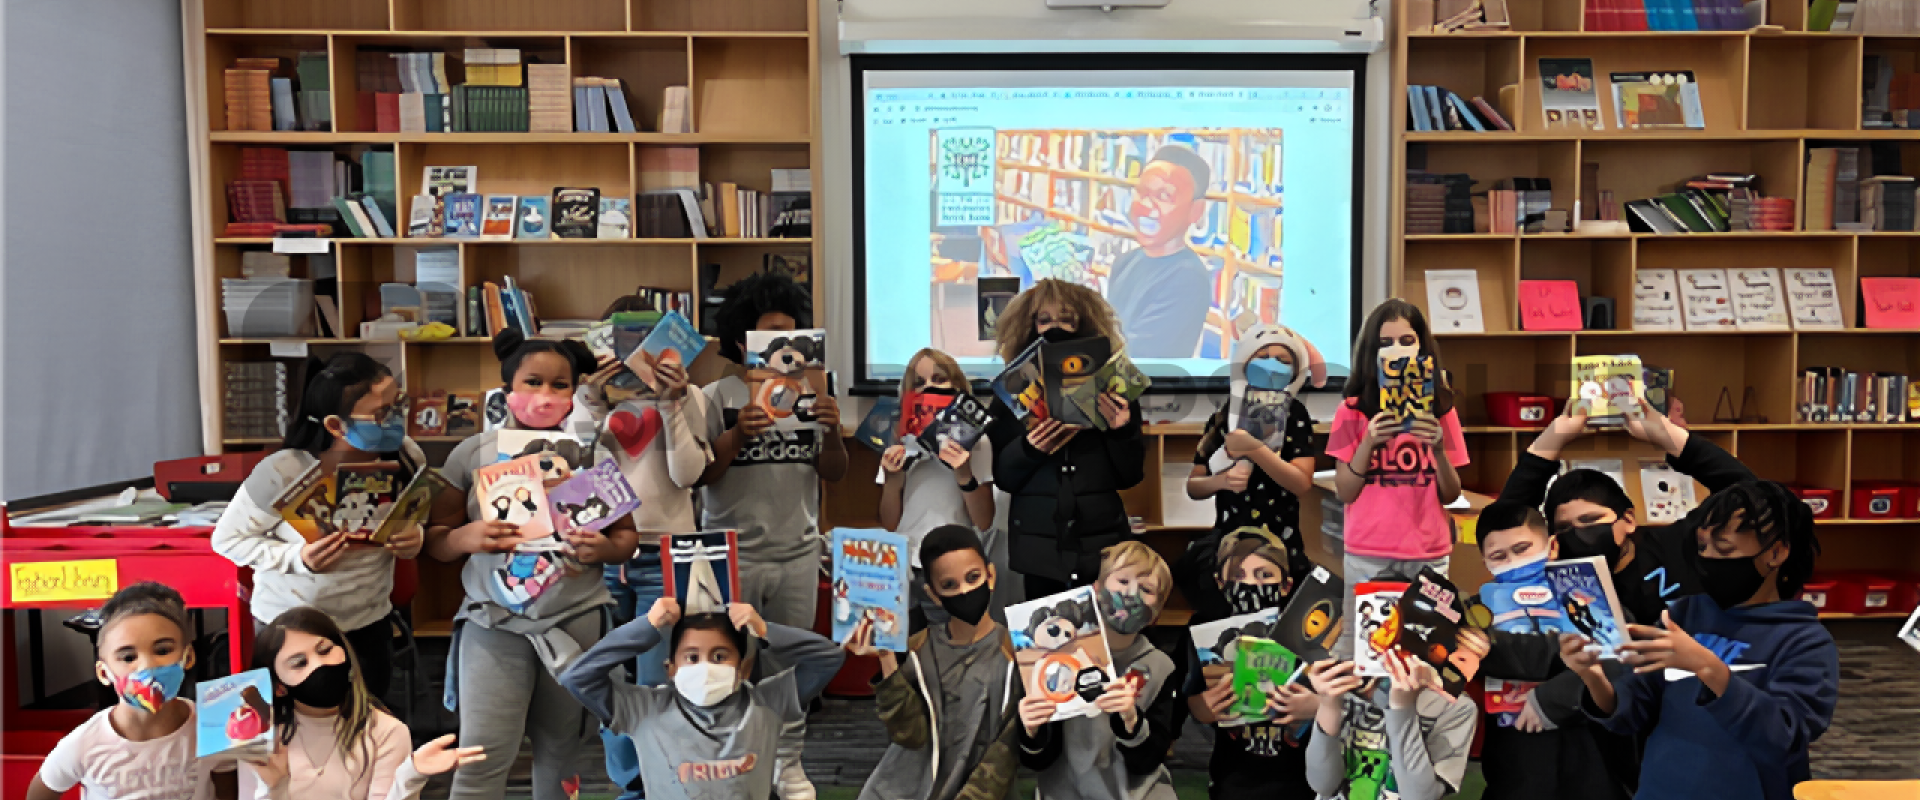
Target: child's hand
x=486 y=536
x=273 y=770
x=406 y=543
x=860 y=640
x=439 y=756
x=1219 y=696
x=1426 y=430
x=597 y=380
x=1579 y=654
x=957 y=457
x=894 y=460
x=747 y=619
x=1292 y=704
x=1651 y=427
x=1381 y=430
x=1238 y=476
x=1049 y=435
x=672 y=376
x=1654 y=649
x=1410 y=677
x=1528 y=720
x=1120 y=698
x=1562 y=429
x=323 y=554
x=1332 y=679
x=753 y=421
x=1035 y=711
x=589 y=547
x=1240 y=444
x=1114 y=409
x=826 y=412
x=665 y=612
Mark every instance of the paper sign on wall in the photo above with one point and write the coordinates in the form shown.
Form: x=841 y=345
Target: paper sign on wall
x=54 y=581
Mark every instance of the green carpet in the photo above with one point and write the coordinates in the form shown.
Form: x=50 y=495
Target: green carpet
x=1187 y=784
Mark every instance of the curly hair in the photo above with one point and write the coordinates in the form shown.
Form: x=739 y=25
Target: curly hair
x=753 y=297
x=1016 y=330
x=1775 y=514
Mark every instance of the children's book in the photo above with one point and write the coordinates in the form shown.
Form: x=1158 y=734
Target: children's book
x=673 y=339
x=235 y=715
x=443 y=181
x=513 y=491
x=963 y=421
x=1758 y=301
x=1607 y=389
x=1583 y=587
x=1406 y=389
x=593 y=498
x=531 y=222
x=630 y=331
x=414 y=505
x=1264 y=403
x=1060 y=645
x=463 y=216
x=616 y=219
x=1657 y=100
x=1259 y=667
x=1213 y=642
x=1376 y=624
x=1432 y=630
x=918 y=412
x=599 y=338
x=1522 y=608
x=994 y=295
x=1567 y=96
x=1313 y=619
x=787 y=370
x=1021 y=387
x=428 y=417
x=307 y=503
x=1119 y=376
x=879 y=429
x=576 y=213
x=496 y=221
x=1067 y=366
x=870 y=578
x=1656 y=387
x=1656 y=300
x=1665 y=493
x=702 y=570
x=463 y=413
x=1706 y=300
x=1812 y=298
x=420 y=216
x=363 y=495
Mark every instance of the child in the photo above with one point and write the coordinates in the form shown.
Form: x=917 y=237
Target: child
x=352 y=412
x=143 y=747
x=1161 y=291
x=764 y=480
x=1396 y=485
x=525 y=616
x=1261 y=759
x=951 y=713
x=1065 y=481
x=1121 y=753
x=1400 y=737
x=711 y=735
x=334 y=738
x=1253 y=485
x=951 y=487
x=1739 y=681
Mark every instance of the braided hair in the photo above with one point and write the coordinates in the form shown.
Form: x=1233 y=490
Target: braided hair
x=1774 y=514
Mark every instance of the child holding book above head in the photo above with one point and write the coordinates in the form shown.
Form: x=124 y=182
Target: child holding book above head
x=951 y=710
x=526 y=615
x=333 y=738
x=1737 y=682
x=1121 y=753
x=352 y=412
x=921 y=491
x=1399 y=736
x=764 y=480
x=143 y=747
x=1065 y=480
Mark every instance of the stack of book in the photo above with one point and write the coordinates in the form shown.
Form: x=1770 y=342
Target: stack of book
x=1518 y=204
x=1833 y=189
x=267 y=308
x=493 y=66
x=1669 y=15
x=1840 y=396
x=600 y=106
x=256 y=400
x=313 y=106
x=1426 y=205
x=1887 y=203
x=249 y=94
x=1433 y=108
x=549 y=99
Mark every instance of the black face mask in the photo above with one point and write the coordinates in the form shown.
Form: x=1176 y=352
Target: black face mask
x=946 y=390
x=1587 y=541
x=1729 y=581
x=1246 y=598
x=325 y=687
x=1058 y=335
x=969 y=606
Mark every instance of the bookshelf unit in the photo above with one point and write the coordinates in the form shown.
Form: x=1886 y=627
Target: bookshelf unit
x=751 y=67
x=1768 y=97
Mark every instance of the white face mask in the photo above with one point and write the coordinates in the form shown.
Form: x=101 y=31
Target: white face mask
x=705 y=684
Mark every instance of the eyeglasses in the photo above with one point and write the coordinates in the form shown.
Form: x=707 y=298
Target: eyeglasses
x=395 y=412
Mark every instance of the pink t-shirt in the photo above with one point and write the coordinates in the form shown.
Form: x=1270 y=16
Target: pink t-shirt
x=109 y=767
x=1398 y=515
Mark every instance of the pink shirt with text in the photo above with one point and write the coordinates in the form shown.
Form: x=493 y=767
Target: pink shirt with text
x=1398 y=515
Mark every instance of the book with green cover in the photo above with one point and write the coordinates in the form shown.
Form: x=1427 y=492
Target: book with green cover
x=1688 y=215
x=1259 y=667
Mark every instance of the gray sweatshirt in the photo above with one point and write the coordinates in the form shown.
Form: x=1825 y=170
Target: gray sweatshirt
x=1417 y=753
x=1089 y=758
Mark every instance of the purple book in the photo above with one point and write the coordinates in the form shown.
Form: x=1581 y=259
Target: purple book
x=592 y=499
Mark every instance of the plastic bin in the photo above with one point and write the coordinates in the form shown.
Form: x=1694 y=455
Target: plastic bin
x=1824 y=502
x=1520 y=409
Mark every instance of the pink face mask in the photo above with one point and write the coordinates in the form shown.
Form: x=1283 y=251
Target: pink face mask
x=539 y=409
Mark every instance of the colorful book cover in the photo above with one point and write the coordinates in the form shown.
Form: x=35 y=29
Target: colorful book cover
x=1065 y=367
x=599 y=339
x=1060 y=645
x=630 y=331
x=1213 y=642
x=963 y=421
x=1606 y=388
x=1656 y=386
x=463 y=216
x=919 y=410
x=307 y=503
x=1259 y=667
x=235 y=715
x=363 y=496
x=576 y=213
x=496 y=220
x=1118 y=376
x=1311 y=623
x=1376 y=610
x=1264 y=404
x=428 y=417
x=1584 y=589
x=1567 y=96
x=994 y=295
x=880 y=428
x=1021 y=387
x=533 y=218
x=414 y=505
x=870 y=578
x=1406 y=389
x=616 y=218
x=786 y=370
x=673 y=339
x=1656 y=100
x=513 y=491
x=593 y=498
x=1522 y=608
x=702 y=570
x=1432 y=629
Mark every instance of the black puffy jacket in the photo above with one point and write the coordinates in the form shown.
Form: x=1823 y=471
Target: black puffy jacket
x=1066 y=505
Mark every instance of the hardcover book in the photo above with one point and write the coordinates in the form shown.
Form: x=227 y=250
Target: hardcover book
x=673 y=340
x=363 y=495
x=576 y=213
x=1376 y=624
x=1406 y=389
x=1118 y=376
x=918 y=412
x=1584 y=589
x=702 y=570
x=306 y=504
x=1060 y=645
x=1567 y=96
x=1021 y=386
x=1431 y=629
x=532 y=219
x=870 y=579
x=428 y=417
x=1665 y=493
x=1216 y=648
x=1606 y=388
x=234 y=716
x=787 y=370
x=414 y=505
x=1758 y=304
x=593 y=498
x=1259 y=667
x=463 y=216
x=879 y=429
x=1657 y=100
x=616 y=218
x=443 y=181
x=420 y=216
x=1065 y=367
x=496 y=221
x=1314 y=618
x=963 y=421
x=514 y=491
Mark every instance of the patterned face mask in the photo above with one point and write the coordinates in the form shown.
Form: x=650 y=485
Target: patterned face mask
x=1125 y=614
x=1246 y=598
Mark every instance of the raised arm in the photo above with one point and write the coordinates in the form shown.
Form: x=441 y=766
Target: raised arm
x=590 y=678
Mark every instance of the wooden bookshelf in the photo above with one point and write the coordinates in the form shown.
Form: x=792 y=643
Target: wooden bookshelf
x=1768 y=97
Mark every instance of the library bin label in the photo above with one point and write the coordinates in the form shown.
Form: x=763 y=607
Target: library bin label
x=54 y=581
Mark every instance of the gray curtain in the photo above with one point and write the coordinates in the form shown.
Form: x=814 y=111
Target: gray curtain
x=96 y=276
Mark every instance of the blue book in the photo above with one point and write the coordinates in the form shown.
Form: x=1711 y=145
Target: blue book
x=1436 y=108
x=673 y=338
x=463 y=216
x=870 y=572
x=1415 y=111
x=1583 y=587
x=235 y=715
x=1684 y=12
x=1466 y=112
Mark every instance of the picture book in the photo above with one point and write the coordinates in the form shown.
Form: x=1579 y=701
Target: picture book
x=1707 y=301
x=1812 y=299
x=593 y=498
x=1060 y=645
x=1657 y=100
x=1432 y=629
x=994 y=295
x=1607 y=389
x=630 y=331
x=1567 y=97
x=496 y=220
x=702 y=570
x=1259 y=667
x=1758 y=304
x=463 y=216
x=1064 y=368
x=963 y=421
x=673 y=339
x=1665 y=493
x=1583 y=587
x=787 y=370
x=616 y=218
x=363 y=494
x=1020 y=386
x=513 y=491
x=443 y=181
x=414 y=505
x=1216 y=645
x=235 y=715
x=1656 y=300
x=879 y=429
x=1264 y=403
x=531 y=221
x=463 y=413
x=870 y=579
x=1376 y=624
x=420 y=216
x=307 y=503
x=1312 y=621
x=576 y=213
x=1119 y=376
x=428 y=417
x=1406 y=389
x=1453 y=301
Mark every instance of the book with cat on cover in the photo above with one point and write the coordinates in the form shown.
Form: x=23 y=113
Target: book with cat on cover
x=593 y=498
x=1406 y=389
x=235 y=715
x=363 y=495
x=702 y=570
x=514 y=491
x=1607 y=388
x=576 y=213
x=870 y=579
x=1060 y=646
x=1065 y=367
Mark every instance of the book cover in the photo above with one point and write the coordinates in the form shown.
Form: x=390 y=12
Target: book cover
x=414 y=505
x=428 y=417
x=514 y=491
x=496 y=218
x=1706 y=299
x=593 y=498
x=1605 y=388
x=1656 y=300
x=630 y=331
x=1376 y=624
x=599 y=338
x=870 y=579
x=1453 y=301
x=1431 y=616
x=672 y=340
x=1656 y=387
x=879 y=429
x=1758 y=302
x=420 y=214
x=1567 y=96
x=532 y=219
x=1259 y=667
x=576 y=213
x=963 y=421
x=1666 y=494
x=994 y=294
x=1812 y=299
x=443 y=181
x=702 y=570
x=1656 y=100
x=1406 y=389
x=1065 y=367
x=235 y=715
x=1021 y=387
x=1060 y=645
x=1888 y=303
x=307 y=503
x=1118 y=376
x=463 y=216
x=1550 y=305
x=1522 y=608
x=363 y=495
x=1312 y=621
x=918 y=411
x=1584 y=589
x=463 y=413
x=616 y=218
x=1215 y=647
x=787 y=369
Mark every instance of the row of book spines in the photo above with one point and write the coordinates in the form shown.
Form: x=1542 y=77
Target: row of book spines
x=1434 y=108
x=1666 y=15
x=1837 y=395
x=468 y=109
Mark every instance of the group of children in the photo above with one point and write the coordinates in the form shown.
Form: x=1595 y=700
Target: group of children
x=1725 y=682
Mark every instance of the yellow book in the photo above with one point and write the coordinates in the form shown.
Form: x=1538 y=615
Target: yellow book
x=1607 y=388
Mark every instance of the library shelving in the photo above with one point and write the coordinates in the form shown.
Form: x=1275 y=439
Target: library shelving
x=1769 y=94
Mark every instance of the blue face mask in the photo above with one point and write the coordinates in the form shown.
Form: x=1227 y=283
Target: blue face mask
x=368 y=436
x=1269 y=373
x=1533 y=570
x=149 y=689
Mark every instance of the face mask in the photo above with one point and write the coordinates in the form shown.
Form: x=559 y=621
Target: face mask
x=539 y=410
x=1530 y=570
x=1246 y=598
x=149 y=689
x=704 y=684
x=942 y=390
x=1588 y=541
x=1730 y=581
x=969 y=606
x=1269 y=373
x=1058 y=335
x=1125 y=614
x=368 y=436
x=325 y=687
x=1392 y=353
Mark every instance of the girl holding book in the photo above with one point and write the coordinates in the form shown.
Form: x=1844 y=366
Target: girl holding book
x=1065 y=480
x=920 y=490
x=526 y=615
x=333 y=738
x=352 y=413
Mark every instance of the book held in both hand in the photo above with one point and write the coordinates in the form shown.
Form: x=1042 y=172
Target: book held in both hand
x=1060 y=645
x=870 y=579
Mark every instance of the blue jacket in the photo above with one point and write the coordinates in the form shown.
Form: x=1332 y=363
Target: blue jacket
x=1751 y=742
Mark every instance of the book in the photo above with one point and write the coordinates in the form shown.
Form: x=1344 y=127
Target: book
x=879 y=429
x=1656 y=387
x=870 y=580
x=428 y=417
x=672 y=339
x=306 y=504
x=1567 y=96
x=1453 y=301
x=1583 y=587
x=1060 y=646
x=1888 y=303
x=1656 y=300
x=363 y=495
x=463 y=413
x=616 y=218
x=1259 y=667
x=1406 y=389
x=1020 y=386
x=531 y=220
x=994 y=293
x=1119 y=376
x=443 y=181
x=630 y=330
x=963 y=421
x=1657 y=100
x=1216 y=648
x=514 y=491
x=1606 y=389
x=918 y=411
x=1375 y=624
x=1311 y=623
x=235 y=716
x=702 y=570
x=1813 y=299
x=1758 y=304
x=1550 y=305
x=414 y=504
x=592 y=499
x=1430 y=617
x=1064 y=367
x=787 y=369
x=575 y=213
x=1665 y=493
x=463 y=216
x=496 y=221
x=1707 y=301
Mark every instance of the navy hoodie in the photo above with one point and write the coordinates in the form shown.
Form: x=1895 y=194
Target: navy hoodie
x=1752 y=741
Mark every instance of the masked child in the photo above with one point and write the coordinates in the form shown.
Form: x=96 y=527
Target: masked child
x=1394 y=737
x=922 y=491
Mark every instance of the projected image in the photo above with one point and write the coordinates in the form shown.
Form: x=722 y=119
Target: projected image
x=1179 y=229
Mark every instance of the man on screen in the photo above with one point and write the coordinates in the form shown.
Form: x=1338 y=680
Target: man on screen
x=1161 y=290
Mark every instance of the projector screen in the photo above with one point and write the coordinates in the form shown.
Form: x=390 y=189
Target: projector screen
x=1197 y=193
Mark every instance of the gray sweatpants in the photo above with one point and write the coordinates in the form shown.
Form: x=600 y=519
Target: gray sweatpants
x=785 y=592
x=1360 y=569
x=506 y=694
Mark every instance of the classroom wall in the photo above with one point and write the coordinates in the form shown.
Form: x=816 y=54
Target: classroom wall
x=96 y=285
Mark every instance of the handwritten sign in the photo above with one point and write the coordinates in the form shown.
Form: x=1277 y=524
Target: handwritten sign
x=52 y=581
